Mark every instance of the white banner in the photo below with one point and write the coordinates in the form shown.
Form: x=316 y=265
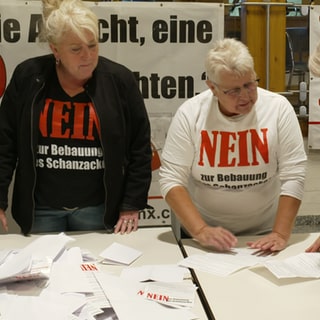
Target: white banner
x=314 y=86
x=164 y=44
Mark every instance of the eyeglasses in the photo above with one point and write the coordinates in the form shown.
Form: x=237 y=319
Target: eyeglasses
x=235 y=92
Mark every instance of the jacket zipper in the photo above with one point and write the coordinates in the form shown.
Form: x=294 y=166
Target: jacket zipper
x=104 y=158
x=32 y=149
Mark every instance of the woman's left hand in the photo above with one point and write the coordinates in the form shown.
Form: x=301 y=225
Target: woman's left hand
x=128 y=222
x=271 y=242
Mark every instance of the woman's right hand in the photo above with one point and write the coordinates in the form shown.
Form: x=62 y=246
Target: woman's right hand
x=315 y=247
x=216 y=237
x=3 y=220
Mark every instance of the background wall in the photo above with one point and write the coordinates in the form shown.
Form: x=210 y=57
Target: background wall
x=158 y=58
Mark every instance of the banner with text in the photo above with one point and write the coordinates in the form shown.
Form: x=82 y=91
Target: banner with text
x=314 y=92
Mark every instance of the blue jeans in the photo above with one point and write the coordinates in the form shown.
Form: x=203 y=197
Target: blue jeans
x=60 y=220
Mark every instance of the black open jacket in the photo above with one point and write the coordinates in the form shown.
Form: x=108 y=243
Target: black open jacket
x=125 y=137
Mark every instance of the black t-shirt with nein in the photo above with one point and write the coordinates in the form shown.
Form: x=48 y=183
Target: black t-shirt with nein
x=69 y=163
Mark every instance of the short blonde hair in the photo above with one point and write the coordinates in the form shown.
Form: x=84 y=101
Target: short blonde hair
x=62 y=16
x=228 y=55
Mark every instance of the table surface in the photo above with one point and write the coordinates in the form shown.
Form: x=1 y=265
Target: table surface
x=157 y=244
x=255 y=293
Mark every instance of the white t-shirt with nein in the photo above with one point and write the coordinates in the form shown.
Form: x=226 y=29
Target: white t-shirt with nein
x=235 y=168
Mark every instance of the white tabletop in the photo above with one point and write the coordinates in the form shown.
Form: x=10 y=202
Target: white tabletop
x=157 y=244
x=255 y=293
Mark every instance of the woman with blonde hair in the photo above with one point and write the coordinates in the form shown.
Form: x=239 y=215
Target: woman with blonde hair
x=234 y=162
x=74 y=128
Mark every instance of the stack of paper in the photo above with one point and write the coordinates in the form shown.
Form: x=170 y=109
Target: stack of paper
x=32 y=262
x=303 y=265
x=71 y=289
x=224 y=263
x=75 y=289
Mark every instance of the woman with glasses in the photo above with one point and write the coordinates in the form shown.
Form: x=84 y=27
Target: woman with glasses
x=234 y=161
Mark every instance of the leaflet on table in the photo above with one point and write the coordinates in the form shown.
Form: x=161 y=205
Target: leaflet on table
x=52 y=306
x=70 y=280
x=70 y=274
x=164 y=273
x=4 y=255
x=303 y=265
x=118 y=253
x=34 y=261
x=223 y=263
x=177 y=295
x=49 y=307
x=28 y=270
x=97 y=304
x=128 y=300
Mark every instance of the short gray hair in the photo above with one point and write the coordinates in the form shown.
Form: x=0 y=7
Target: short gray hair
x=62 y=16
x=228 y=55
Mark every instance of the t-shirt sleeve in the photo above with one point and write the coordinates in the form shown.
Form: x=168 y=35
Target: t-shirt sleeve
x=172 y=175
x=292 y=157
x=179 y=146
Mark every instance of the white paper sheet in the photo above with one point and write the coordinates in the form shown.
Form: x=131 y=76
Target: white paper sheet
x=124 y=298
x=224 y=264
x=36 y=308
x=47 y=246
x=67 y=274
x=33 y=261
x=177 y=295
x=164 y=273
x=4 y=254
x=303 y=265
x=15 y=263
x=118 y=253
